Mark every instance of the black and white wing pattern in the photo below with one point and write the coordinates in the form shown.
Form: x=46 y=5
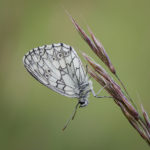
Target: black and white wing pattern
x=58 y=67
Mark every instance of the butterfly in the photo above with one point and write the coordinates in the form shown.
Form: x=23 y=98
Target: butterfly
x=58 y=67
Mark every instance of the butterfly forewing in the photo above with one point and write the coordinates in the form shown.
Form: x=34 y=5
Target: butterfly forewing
x=58 y=67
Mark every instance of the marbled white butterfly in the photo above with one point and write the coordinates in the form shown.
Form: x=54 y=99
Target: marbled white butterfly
x=58 y=67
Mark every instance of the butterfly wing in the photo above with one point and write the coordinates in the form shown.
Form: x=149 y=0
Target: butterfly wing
x=58 y=67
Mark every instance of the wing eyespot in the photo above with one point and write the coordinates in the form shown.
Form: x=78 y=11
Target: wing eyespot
x=46 y=75
x=59 y=55
x=66 y=53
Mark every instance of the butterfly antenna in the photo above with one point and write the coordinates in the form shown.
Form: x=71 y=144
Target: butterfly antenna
x=72 y=116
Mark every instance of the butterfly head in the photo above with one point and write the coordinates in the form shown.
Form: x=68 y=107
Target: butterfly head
x=83 y=102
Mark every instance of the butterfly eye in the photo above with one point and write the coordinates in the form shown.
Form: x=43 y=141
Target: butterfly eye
x=48 y=70
x=53 y=58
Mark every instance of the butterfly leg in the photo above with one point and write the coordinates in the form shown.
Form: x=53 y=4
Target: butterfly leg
x=96 y=95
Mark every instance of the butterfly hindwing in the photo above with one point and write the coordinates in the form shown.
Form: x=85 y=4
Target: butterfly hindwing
x=58 y=67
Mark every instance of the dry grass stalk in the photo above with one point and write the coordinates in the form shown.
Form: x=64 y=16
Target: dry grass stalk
x=140 y=123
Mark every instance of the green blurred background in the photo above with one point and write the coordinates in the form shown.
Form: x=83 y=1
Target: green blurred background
x=31 y=115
